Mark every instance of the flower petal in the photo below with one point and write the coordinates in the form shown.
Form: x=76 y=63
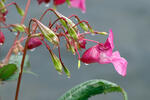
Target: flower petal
x=59 y=2
x=91 y=55
x=2 y=37
x=41 y=1
x=79 y=4
x=109 y=41
x=119 y=63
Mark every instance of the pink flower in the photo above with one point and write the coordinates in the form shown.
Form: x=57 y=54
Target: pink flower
x=2 y=37
x=103 y=54
x=59 y=2
x=34 y=42
x=56 y=2
x=41 y=1
x=79 y=4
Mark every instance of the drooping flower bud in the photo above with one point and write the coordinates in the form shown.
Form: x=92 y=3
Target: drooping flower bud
x=2 y=38
x=34 y=42
x=84 y=27
x=56 y=62
x=70 y=25
x=20 y=11
x=2 y=5
x=48 y=33
x=18 y=27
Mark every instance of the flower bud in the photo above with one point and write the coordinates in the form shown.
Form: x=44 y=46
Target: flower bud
x=34 y=42
x=48 y=33
x=20 y=11
x=82 y=44
x=18 y=27
x=56 y=62
x=69 y=27
x=84 y=27
x=3 y=10
x=102 y=33
x=2 y=37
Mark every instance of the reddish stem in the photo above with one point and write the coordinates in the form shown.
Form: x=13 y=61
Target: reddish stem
x=92 y=41
x=21 y=70
x=24 y=53
x=26 y=10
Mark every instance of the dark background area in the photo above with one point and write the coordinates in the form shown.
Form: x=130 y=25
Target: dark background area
x=130 y=22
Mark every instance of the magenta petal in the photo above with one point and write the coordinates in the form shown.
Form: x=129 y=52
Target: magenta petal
x=2 y=37
x=34 y=42
x=79 y=4
x=104 y=58
x=119 y=63
x=109 y=41
x=91 y=55
x=41 y=1
x=59 y=2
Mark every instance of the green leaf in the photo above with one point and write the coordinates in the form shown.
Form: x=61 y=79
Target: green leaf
x=90 y=88
x=16 y=59
x=7 y=71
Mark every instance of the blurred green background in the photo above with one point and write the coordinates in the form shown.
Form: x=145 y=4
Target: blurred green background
x=130 y=22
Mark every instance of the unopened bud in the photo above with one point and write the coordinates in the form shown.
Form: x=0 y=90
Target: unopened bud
x=18 y=27
x=20 y=11
x=56 y=62
x=79 y=64
x=2 y=5
x=34 y=42
x=70 y=26
x=2 y=37
x=84 y=27
x=48 y=33
x=102 y=33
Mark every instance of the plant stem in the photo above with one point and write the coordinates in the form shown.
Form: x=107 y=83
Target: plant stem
x=21 y=70
x=24 y=53
x=26 y=10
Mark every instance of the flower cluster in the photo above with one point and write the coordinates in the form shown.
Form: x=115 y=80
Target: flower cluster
x=63 y=26
x=101 y=53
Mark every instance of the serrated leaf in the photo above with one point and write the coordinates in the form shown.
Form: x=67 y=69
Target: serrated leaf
x=7 y=71
x=90 y=88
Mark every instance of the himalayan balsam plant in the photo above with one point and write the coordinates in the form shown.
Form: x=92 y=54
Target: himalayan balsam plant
x=35 y=34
